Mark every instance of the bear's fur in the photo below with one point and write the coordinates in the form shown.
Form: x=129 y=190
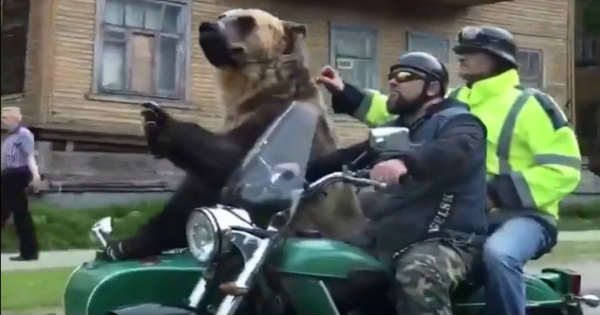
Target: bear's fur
x=265 y=73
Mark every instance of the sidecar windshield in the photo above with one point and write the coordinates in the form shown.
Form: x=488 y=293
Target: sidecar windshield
x=276 y=165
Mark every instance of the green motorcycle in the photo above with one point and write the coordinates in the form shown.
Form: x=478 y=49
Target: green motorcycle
x=246 y=259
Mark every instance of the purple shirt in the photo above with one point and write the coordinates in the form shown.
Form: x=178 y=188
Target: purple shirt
x=17 y=148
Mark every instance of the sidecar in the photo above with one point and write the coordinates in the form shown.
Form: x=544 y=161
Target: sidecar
x=105 y=287
x=163 y=284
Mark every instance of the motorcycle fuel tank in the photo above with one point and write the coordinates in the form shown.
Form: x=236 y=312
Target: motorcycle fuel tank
x=322 y=258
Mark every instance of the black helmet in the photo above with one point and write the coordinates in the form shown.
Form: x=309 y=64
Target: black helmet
x=424 y=64
x=494 y=40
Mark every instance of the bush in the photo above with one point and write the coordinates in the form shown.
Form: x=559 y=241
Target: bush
x=69 y=229
x=587 y=210
x=580 y=216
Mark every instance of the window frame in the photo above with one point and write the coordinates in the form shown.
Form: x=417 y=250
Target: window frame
x=441 y=37
x=359 y=28
x=11 y=95
x=182 y=75
x=540 y=52
x=587 y=51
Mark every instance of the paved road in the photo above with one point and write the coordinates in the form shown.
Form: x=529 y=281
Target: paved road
x=572 y=236
x=53 y=259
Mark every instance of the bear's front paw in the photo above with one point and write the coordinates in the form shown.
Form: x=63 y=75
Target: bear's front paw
x=154 y=114
x=154 y=121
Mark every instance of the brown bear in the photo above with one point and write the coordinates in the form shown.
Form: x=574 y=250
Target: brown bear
x=261 y=67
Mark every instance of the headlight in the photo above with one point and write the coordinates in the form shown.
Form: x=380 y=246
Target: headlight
x=202 y=235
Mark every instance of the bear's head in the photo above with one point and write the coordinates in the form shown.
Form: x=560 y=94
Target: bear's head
x=248 y=36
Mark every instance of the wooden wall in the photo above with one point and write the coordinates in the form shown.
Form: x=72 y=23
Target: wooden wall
x=67 y=102
x=31 y=99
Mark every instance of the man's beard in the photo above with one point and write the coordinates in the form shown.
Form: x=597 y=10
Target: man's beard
x=401 y=105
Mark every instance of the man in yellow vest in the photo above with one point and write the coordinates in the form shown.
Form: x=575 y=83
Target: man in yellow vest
x=532 y=162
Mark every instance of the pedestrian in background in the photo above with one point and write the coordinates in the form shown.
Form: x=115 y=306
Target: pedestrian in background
x=19 y=170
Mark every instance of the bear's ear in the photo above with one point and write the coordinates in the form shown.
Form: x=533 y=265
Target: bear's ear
x=293 y=28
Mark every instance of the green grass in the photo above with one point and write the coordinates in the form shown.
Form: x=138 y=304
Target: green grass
x=35 y=291
x=572 y=251
x=66 y=229
x=580 y=217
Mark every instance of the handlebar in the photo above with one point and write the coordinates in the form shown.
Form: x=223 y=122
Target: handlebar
x=346 y=177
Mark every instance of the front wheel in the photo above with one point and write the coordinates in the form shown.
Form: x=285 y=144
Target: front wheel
x=574 y=309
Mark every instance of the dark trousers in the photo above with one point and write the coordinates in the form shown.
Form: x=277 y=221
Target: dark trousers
x=14 y=201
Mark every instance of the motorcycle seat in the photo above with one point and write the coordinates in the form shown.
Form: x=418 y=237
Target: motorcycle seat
x=365 y=280
x=364 y=291
x=308 y=233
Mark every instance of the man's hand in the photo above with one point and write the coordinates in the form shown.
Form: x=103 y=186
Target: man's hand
x=331 y=79
x=36 y=183
x=490 y=204
x=389 y=171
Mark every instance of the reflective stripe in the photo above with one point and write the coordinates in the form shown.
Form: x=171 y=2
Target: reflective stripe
x=454 y=93
x=554 y=112
x=522 y=189
x=364 y=107
x=375 y=105
x=507 y=131
x=558 y=159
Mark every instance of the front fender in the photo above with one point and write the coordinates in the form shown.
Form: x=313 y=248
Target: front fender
x=150 y=309
x=101 y=287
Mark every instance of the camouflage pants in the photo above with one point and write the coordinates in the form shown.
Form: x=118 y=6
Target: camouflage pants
x=428 y=272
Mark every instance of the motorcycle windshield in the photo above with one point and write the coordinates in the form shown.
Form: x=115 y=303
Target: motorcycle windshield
x=276 y=165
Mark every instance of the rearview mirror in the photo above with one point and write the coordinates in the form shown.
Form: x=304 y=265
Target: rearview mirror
x=101 y=230
x=386 y=139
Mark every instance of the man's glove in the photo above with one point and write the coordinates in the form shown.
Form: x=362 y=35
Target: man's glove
x=154 y=121
x=114 y=250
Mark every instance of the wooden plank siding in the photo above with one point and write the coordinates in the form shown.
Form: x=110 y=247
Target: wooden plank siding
x=29 y=101
x=538 y=24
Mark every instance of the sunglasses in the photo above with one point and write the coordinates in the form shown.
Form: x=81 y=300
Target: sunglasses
x=403 y=76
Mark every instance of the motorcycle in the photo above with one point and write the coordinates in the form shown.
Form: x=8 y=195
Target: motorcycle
x=236 y=263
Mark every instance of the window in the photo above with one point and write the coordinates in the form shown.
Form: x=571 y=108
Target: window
x=433 y=44
x=587 y=33
x=353 y=54
x=587 y=51
x=530 y=67
x=15 y=17
x=141 y=48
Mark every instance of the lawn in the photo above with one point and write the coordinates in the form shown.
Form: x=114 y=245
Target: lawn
x=580 y=217
x=69 y=229
x=572 y=251
x=35 y=291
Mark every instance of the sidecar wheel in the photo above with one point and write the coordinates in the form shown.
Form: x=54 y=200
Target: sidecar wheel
x=574 y=310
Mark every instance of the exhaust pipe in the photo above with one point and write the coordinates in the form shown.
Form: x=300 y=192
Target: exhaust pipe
x=589 y=300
